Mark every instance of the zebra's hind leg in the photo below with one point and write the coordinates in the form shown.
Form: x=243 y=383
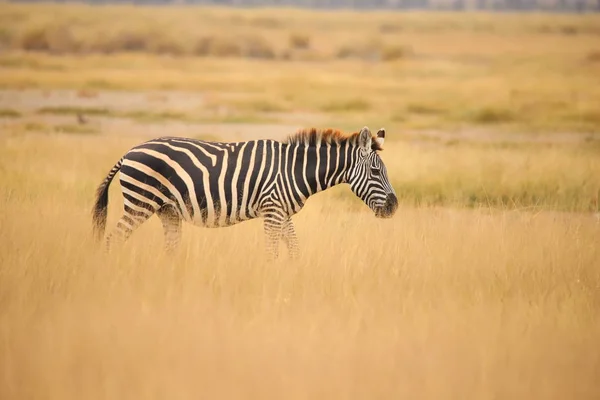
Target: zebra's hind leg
x=171 y=222
x=129 y=222
x=290 y=239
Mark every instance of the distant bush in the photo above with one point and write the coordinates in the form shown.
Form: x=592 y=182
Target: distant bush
x=347 y=105
x=358 y=52
x=394 y=52
x=9 y=113
x=421 y=108
x=114 y=42
x=372 y=50
x=286 y=55
x=249 y=46
x=593 y=56
x=257 y=47
x=35 y=39
x=299 y=41
x=488 y=115
x=52 y=39
x=217 y=47
x=130 y=41
x=346 y=51
x=167 y=45
x=60 y=40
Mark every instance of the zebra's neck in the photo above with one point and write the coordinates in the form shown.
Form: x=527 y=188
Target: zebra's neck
x=309 y=169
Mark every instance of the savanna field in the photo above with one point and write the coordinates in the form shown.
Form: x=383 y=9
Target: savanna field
x=484 y=285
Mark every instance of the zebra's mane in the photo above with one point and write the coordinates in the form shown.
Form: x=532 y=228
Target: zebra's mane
x=312 y=136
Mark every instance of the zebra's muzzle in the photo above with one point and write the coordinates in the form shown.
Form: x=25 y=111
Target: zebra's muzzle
x=389 y=208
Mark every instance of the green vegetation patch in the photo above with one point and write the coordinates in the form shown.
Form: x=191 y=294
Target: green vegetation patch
x=76 y=129
x=491 y=115
x=70 y=110
x=348 y=105
x=262 y=105
x=149 y=116
x=9 y=113
x=36 y=127
x=424 y=108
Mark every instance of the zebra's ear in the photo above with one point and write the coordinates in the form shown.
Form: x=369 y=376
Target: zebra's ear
x=365 y=138
x=380 y=137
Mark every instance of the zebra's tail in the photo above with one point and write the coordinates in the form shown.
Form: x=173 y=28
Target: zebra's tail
x=100 y=209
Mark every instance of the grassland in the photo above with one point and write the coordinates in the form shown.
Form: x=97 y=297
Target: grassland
x=531 y=73
x=484 y=285
x=435 y=303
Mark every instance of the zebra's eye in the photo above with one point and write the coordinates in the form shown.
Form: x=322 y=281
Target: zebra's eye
x=375 y=171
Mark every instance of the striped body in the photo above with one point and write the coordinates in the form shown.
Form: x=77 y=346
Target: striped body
x=212 y=184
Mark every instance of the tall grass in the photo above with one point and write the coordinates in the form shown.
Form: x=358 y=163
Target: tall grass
x=484 y=285
x=498 y=176
x=434 y=303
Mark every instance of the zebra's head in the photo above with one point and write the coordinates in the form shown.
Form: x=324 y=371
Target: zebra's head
x=368 y=177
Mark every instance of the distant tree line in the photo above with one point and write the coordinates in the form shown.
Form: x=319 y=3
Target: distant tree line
x=457 y=5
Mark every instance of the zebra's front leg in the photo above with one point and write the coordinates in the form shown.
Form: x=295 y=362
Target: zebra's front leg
x=273 y=233
x=171 y=222
x=290 y=238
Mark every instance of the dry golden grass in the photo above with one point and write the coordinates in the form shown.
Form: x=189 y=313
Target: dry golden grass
x=496 y=299
x=434 y=303
x=531 y=72
x=509 y=176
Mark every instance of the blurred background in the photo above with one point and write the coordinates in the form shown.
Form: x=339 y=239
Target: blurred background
x=514 y=5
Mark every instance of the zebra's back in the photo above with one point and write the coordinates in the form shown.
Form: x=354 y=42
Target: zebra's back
x=210 y=184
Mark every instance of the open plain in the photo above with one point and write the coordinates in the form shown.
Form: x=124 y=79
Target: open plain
x=485 y=284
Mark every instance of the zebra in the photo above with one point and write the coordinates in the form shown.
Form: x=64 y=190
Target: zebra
x=219 y=184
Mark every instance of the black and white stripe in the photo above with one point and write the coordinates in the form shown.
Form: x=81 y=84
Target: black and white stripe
x=215 y=184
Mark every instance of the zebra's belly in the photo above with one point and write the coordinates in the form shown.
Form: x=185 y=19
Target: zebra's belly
x=211 y=220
